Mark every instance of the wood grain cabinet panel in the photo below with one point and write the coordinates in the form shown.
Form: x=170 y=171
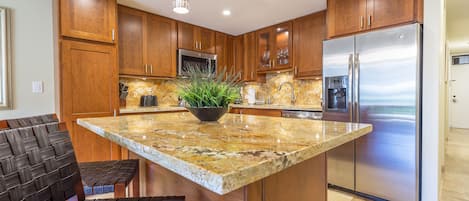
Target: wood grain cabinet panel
x=382 y=13
x=250 y=57
x=221 y=50
x=89 y=89
x=238 y=45
x=186 y=36
x=274 y=47
x=90 y=20
x=132 y=28
x=161 y=46
x=195 y=38
x=351 y=16
x=345 y=17
x=260 y=112
x=147 y=44
x=309 y=33
x=206 y=40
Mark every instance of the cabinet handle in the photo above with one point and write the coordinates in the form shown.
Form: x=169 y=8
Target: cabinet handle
x=252 y=74
x=113 y=34
x=361 y=21
x=369 y=21
x=146 y=68
x=273 y=63
x=115 y=113
x=296 y=70
x=196 y=45
x=151 y=68
x=200 y=45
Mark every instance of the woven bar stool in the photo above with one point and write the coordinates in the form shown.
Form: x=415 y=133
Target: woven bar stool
x=38 y=163
x=97 y=177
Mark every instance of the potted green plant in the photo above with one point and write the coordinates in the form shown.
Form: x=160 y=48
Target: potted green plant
x=207 y=95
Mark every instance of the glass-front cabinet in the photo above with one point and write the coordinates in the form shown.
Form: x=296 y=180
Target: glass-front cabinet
x=274 y=47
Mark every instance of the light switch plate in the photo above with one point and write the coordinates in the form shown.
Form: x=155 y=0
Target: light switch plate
x=38 y=87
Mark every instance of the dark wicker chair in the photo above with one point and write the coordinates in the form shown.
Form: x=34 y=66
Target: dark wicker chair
x=97 y=177
x=38 y=163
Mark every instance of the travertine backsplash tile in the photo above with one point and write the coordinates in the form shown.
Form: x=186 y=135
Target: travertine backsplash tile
x=308 y=92
x=165 y=90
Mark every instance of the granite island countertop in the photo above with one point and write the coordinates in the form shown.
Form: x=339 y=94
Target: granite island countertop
x=311 y=108
x=225 y=155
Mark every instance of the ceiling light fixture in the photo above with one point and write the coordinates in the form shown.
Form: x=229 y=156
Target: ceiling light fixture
x=181 y=6
x=226 y=12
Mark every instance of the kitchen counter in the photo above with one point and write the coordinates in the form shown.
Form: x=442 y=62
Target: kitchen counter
x=137 y=109
x=225 y=155
x=279 y=107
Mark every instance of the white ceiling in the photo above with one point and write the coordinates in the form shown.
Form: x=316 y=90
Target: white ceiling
x=457 y=22
x=246 y=15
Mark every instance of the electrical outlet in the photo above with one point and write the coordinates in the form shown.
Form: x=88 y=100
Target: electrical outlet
x=38 y=87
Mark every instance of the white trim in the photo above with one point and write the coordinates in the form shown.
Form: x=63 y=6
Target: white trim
x=5 y=66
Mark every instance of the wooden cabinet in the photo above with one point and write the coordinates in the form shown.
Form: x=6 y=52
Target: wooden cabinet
x=195 y=38
x=147 y=44
x=90 y=20
x=238 y=45
x=260 y=112
x=351 y=16
x=308 y=35
x=88 y=89
x=161 y=45
x=274 y=47
x=221 y=49
x=250 y=58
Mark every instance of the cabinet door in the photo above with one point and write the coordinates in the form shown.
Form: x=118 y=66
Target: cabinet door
x=206 y=39
x=283 y=46
x=221 y=51
x=309 y=33
x=132 y=28
x=382 y=13
x=239 y=56
x=230 y=53
x=90 y=20
x=250 y=53
x=186 y=36
x=89 y=88
x=161 y=46
x=264 y=49
x=345 y=17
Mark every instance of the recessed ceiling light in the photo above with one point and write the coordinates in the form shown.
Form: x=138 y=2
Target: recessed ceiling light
x=226 y=12
x=181 y=6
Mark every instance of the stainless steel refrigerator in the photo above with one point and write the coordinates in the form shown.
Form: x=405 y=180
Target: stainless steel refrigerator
x=375 y=78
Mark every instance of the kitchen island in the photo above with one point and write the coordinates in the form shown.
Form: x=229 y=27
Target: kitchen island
x=238 y=158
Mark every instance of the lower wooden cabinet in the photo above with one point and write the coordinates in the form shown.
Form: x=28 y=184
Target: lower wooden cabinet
x=260 y=112
x=89 y=80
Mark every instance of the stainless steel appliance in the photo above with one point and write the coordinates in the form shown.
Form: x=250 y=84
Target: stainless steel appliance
x=375 y=78
x=190 y=59
x=315 y=115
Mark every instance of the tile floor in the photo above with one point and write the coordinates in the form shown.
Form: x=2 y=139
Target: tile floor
x=456 y=174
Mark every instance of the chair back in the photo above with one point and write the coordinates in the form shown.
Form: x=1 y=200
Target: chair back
x=28 y=121
x=38 y=163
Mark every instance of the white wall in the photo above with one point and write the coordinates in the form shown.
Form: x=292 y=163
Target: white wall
x=32 y=56
x=433 y=97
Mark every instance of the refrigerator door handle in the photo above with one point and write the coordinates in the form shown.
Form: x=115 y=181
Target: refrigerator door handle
x=350 y=87
x=356 y=88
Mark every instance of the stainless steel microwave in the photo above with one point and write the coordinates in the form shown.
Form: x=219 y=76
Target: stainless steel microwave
x=190 y=59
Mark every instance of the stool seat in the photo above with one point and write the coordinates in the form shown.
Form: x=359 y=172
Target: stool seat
x=100 y=177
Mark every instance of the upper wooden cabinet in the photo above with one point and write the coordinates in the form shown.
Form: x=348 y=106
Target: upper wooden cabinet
x=351 y=16
x=250 y=55
x=147 y=44
x=238 y=44
x=195 y=38
x=90 y=20
x=224 y=51
x=274 y=47
x=308 y=35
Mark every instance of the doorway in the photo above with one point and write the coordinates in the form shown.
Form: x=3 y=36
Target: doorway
x=459 y=94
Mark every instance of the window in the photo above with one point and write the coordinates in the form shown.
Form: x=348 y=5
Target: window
x=5 y=98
